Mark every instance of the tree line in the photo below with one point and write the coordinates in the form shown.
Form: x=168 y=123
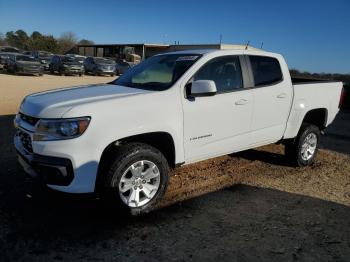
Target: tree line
x=321 y=76
x=38 y=41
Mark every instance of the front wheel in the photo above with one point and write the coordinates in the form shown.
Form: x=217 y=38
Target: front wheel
x=137 y=177
x=303 y=149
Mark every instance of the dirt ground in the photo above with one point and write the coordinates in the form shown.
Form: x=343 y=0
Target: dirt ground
x=15 y=88
x=249 y=206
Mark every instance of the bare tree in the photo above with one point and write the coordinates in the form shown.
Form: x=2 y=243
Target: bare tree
x=85 y=42
x=67 y=41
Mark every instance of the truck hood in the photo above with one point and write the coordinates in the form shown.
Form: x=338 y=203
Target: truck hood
x=28 y=63
x=54 y=103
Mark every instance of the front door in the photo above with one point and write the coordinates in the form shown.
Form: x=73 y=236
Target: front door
x=219 y=124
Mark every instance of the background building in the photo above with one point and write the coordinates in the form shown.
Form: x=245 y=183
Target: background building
x=144 y=50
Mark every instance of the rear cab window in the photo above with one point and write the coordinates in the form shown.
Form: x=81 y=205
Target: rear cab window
x=266 y=70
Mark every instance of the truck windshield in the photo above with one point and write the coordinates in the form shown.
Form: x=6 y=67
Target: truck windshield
x=104 y=61
x=158 y=72
x=25 y=58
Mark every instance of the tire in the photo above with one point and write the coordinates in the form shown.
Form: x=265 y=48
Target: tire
x=140 y=158
x=303 y=149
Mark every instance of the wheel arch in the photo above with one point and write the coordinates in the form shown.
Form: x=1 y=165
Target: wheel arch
x=162 y=141
x=317 y=117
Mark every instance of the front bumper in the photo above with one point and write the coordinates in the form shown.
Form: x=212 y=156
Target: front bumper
x=66 y=165
x=102 y=71
x=46 y=66
x=30 y=70
x=51 y=170
x=70 y=70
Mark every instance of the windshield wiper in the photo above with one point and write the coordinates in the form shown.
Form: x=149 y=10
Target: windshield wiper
x=157 y=86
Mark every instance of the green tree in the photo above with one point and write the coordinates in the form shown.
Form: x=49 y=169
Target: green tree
x=50 y=44
x=18 y=39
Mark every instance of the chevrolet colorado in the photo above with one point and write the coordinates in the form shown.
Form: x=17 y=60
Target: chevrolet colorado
x=172 y=109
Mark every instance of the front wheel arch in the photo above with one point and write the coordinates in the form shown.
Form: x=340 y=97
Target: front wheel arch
x=162 y=141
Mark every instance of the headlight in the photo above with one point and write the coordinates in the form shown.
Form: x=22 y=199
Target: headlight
x=60 y=129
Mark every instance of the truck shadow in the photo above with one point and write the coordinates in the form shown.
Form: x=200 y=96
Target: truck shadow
x=264 y=156
x=238 y=223
x=337 y=136
x=252 y=220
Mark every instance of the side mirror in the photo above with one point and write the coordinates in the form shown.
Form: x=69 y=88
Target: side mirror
x=203 y=88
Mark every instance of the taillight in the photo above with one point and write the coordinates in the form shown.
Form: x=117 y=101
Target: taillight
x=341 y=99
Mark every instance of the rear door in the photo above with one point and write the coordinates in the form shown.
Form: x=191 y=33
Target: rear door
x=272 y=99
x=219 y=124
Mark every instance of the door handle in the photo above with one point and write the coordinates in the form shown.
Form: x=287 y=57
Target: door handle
x=282 y=95
x=241 y=102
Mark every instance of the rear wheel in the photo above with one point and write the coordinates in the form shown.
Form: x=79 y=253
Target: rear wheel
x=303 y=149
x=137 y=177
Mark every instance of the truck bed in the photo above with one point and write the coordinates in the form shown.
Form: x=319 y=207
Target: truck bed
x=312 y=94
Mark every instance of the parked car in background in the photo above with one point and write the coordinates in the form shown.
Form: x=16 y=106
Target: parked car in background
x=18 y=63
x=99 y=66
x=43 y=57
x=79 y=58
x=3 y=60
x=66 y=65
x=172 y=109
x=9 y=49
x=122 y=66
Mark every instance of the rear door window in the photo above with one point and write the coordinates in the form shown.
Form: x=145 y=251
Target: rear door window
x=266 y=70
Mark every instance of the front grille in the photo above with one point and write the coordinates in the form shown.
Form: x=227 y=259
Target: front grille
x=107 y=68
x=29 y=119
x=25 y=140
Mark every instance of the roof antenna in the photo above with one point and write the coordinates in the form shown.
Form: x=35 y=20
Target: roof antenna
x=220 y=39
x=246 y=46
x=262 y=44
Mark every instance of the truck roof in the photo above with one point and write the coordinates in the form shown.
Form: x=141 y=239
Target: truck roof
x=228 y=51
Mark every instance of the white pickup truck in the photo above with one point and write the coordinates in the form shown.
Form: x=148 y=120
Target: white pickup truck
x=172 y=109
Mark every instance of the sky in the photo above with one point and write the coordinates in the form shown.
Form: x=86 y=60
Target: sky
x=312 y=35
